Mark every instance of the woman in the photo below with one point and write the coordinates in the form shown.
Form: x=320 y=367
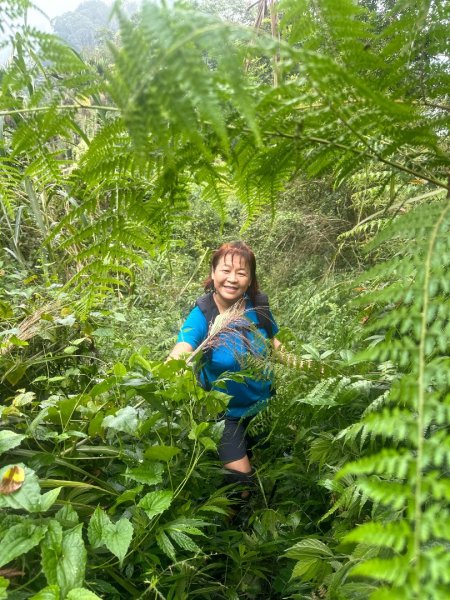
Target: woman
x=233 y=281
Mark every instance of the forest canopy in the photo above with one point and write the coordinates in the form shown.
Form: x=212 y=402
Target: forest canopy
x=317 y=132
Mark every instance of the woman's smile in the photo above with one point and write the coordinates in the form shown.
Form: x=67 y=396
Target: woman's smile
x=231 y=279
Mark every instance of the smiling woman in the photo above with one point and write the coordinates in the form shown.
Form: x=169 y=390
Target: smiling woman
x=233 y=286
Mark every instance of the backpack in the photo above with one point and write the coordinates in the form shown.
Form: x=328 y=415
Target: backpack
x=210 y=311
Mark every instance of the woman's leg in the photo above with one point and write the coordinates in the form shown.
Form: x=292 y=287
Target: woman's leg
x=233 y=454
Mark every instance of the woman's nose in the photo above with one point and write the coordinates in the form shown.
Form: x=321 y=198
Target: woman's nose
x=231 y=276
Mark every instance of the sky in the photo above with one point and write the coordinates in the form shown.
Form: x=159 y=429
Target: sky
x=52 y=8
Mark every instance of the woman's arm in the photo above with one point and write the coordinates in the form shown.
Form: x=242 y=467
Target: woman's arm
x=286 y=358
x=179 y=350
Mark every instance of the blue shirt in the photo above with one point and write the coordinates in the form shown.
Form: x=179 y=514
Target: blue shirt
x=229 y=356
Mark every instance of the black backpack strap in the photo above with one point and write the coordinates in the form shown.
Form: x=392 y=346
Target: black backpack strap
x=263 y=313
x=208 y=307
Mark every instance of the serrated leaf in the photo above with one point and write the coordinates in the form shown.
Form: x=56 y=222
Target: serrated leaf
x=51 y=592
x=161 y=452
x=9 y=439
x=155 y=503
x=64 y=557
x=127 y=496
x=98 y=524
x=184 y=541
x=19 y=539
x=148 y=473
x=126 y=420
x=81 y=594
x=308 y=548
x=166 y=545
x=67 y=516
x=118 y=537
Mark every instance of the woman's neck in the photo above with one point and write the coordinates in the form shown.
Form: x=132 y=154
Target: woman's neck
x=222 y=305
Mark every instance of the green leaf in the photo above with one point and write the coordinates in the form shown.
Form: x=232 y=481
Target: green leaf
x=197 y=430
x=98 y=524
x=208 y=443
x=115 y=536
x=19 y=539
x=51 y=592
x=67 y=516
x=127 y=496
x=119 y=370
x=126 y=420
x=9 y=439
x=165 y=544
x=64 y=557
x=118 y=537
x=155 y=503
x=28 y=497
x=308 y=548
x=184 y=541
x=23 y=398
x=149 y=473
x=4 y=583
x=82 y=594
x=49 y=498
x=161 y=452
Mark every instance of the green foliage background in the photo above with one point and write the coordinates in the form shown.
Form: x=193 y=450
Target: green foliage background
x=120 y=171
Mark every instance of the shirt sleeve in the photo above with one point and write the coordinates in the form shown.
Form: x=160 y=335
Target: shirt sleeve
x=195 y=329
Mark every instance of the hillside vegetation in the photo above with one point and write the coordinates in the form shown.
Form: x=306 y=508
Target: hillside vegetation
x=320 y=136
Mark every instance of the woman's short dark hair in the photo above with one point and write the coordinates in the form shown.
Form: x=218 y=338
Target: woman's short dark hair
x=235 y=249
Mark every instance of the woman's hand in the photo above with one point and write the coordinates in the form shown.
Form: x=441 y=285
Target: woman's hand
x=180 y=350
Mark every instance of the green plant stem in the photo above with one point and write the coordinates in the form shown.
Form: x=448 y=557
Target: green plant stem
x=36 y=109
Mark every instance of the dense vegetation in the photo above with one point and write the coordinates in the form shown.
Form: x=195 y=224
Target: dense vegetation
x=321 y=138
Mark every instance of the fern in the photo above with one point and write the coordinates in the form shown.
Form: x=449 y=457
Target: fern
x=405 y=476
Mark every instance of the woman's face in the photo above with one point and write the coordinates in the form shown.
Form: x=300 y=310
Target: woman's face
x=231 y=278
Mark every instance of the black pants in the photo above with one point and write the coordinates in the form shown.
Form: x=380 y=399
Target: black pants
x=236 y=442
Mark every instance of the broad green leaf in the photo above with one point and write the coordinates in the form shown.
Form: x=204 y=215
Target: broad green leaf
x=307 y=569
x=197 y=430
x=48 y=499
x=161 y=452
x=23 y=398
x=155 y=503
x=208 y=443
x=4 y=583
x=308 y=548
x=149 y=473
x=98 y=524
x=51 y=592
x=9 y=439
x=127 y=496
x=67 y=516
x=28 y=497
x=64 y=557
x=126 y=420
x=19 y=539
x=81 y=594
x=119 y=370
x=117 y=538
